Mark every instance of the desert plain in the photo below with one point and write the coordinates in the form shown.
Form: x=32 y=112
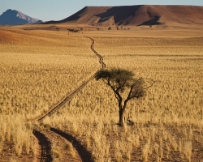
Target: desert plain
x=52 y=108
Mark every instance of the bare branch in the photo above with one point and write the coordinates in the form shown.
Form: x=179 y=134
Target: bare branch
x=115 y=91
x=129 y=94
x=150 y=84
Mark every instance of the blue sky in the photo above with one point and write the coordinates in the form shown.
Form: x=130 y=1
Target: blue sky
x=59 y=9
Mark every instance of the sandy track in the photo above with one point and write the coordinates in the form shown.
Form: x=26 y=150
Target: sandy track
x=44 y=147
x=69 y=96
x=64 y=100
x=44 y=143
x=85 y=155
x=101 y=61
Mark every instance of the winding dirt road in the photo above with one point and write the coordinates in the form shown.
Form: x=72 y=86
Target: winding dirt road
x=101 y=60
x=44 y=144
x=85 y=155
x=69 y=96
x=44 y=147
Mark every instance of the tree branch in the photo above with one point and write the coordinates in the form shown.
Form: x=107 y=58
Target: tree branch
x=115 y=91
x=128 y=98
x=139 y=87
x=129 y=94
x=150 y=85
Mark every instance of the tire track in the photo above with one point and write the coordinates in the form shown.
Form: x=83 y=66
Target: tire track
x=44 y=144
x=64 y=100
x=85 y=155
x=69 y=96
x=101 y=60
x=44 y=147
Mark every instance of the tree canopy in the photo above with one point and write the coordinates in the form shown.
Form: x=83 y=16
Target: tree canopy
x=121 y=80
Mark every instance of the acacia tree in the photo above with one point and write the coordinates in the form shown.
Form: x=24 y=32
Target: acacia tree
x=121 y=81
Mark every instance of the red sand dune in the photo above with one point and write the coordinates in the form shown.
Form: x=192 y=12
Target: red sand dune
x=136 y=15
x=7 y=37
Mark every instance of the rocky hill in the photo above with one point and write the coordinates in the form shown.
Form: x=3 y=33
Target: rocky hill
x=136 y=15
x=14 y=17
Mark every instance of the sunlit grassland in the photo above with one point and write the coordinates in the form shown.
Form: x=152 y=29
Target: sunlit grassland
x=148 y=45
x=35 y=76
x=37 y=82
x=168 y=121
x=40 y=69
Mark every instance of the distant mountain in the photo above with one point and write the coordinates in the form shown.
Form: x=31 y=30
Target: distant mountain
x=136 y=15
x=14 y=17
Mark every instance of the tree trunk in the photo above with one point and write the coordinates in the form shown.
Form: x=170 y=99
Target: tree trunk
x=121 y=117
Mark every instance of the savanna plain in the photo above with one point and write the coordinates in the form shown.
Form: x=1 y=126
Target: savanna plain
x=40 y=66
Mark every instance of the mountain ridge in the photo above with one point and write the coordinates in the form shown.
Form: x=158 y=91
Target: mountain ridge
x=15 y=17
x=135 y=15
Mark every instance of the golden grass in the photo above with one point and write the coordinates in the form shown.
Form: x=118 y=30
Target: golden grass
x=37 y=82
x=34 y=79
x=35 y=75
x=148 y=46
x=168 y=121
x=172 y=106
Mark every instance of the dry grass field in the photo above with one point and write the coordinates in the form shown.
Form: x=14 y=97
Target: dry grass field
x=38 y=68
x=36 y=74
